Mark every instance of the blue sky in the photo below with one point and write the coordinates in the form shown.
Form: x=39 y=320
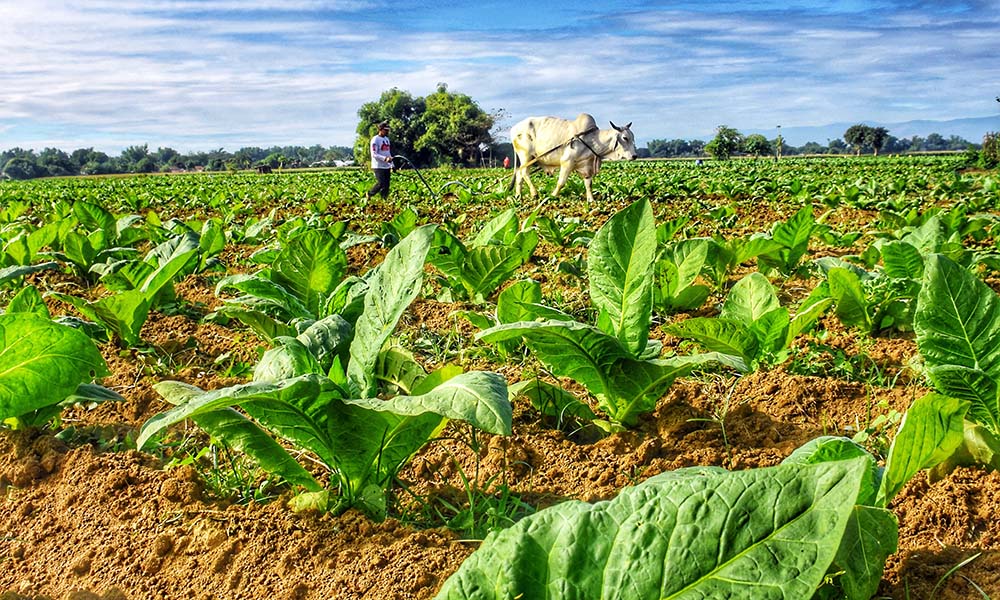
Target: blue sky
x=200 y=75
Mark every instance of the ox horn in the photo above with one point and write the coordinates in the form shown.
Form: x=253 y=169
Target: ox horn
x=617 y=128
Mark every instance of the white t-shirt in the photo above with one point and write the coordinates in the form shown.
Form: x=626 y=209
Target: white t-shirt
x=381 y=152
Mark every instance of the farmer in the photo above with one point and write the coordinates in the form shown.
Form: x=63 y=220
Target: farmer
x=381 y=161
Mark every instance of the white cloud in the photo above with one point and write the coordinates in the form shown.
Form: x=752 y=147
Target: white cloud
x=265 y=72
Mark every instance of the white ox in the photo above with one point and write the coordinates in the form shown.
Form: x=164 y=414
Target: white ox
x=569 y=146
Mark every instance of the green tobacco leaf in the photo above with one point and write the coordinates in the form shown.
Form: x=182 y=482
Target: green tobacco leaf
x=241 y=434
x=501 y=230
x=328 y=338
x=636 y=385
x=719 y=335
x=620 y=265
x=794 y=236
x=263 y=325
x=809 y=311
x=162 y=278
x=289 y=358
x=78 y=250
x=980 y=447
x=178 y=245
x=28 y=300
x=391 y=290
x=931 y=430
x=852 y=306
x=122 y=314
x=902 y=260
x=957 y=322
x=311 y=266
x=771 y=332
x=690 y=533
x=486 y=268
x=750 y=298
x=512 y=301
x=971 y=385
x=397 y=366
x=831 y=448
x=94 y=217
x=264 y=295
x=571 y=349
x=283 y=393
x=16 y=271
x=623 y=386
x=448 y=254
x=41 y=363
x=476 y=397
x=871 y=536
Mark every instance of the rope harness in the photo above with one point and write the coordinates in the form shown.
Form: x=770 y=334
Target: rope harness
x=578 y=136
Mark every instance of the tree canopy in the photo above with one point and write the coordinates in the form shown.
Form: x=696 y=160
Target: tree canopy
x=444 y=128
x=865 y=136
x=727 y=142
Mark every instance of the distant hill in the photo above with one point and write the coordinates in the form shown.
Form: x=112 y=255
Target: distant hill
x=971 y=129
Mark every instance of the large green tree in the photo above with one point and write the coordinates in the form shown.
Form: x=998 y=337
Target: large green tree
x=455 y=128
x=443 y=128
x=876 y=137
x=855 y=137
x=727 y=142
x=862 y=136
x=758 y=145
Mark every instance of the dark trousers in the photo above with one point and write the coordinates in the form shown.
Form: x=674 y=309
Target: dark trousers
x=381 y=183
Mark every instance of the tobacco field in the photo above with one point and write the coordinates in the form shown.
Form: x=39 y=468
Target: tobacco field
x=740 y=379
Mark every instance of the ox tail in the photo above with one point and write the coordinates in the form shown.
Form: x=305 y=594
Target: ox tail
x=513 y=174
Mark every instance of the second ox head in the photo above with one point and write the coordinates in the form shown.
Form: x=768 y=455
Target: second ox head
x=624 y=146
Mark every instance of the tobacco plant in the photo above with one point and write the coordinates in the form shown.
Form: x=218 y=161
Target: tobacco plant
x=322 y=391
x=123 y=314
x=752 y=330
x=677 y=270
x=614 y=359
x=305 y=280
x=475 y=269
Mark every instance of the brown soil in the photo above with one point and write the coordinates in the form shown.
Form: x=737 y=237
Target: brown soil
x=86 y=519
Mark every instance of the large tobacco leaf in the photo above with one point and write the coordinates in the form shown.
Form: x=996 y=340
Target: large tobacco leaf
x=624 y=386
x=932 y=429
x=620 y=265
x=391 y=290
x=41 y=363
x=691 y=533
x=957 y=322
x=311 y=266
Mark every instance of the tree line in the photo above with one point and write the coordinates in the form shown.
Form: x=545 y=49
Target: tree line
x=857 y=139
x=18 y=163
